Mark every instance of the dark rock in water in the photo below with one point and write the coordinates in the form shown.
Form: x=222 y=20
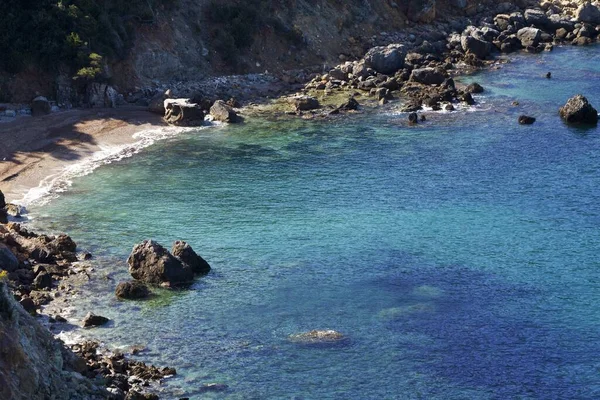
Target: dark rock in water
x=8 y=261
x=423 y=118
x=579 y=110
x=411 y=107
x=213 y=387
x=413 y=118
x=221 y=111
x=428 y=76
x=85 y=256
x=182 y=112
x=305 y=103
x=188 y=256
x=132 y=290
x=549 y=75
x=474 y=88
x=43 y=281
x=40 y=106
x=449 y=107
x=526 y=120
x=351 y=104
x=467 y=98
x=151 y=263
x=386 y=60
x=93 y=320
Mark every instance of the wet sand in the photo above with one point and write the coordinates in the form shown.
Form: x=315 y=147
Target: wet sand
x=31 y=149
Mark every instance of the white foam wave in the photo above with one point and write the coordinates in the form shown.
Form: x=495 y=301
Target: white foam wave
x=51 y=186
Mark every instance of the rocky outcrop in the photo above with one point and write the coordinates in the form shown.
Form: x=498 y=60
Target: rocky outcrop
x=222 y=112
x=183 y=112
x=34 y=365
x=151 y=263
x=132 y=290
x=428 y=76
x=526 y=120
x=91 y=320
x=188 y=256
x=588 y=12
x=579 y=110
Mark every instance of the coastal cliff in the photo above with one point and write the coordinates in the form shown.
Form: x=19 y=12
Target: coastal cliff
x=164 y=40
x=34 y=365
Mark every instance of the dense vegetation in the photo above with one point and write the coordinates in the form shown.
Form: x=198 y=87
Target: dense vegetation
x=72 y=33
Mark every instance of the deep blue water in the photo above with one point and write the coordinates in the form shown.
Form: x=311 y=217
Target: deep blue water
x=460 y=256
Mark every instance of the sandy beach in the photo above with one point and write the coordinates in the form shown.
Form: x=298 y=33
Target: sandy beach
x=32 y=149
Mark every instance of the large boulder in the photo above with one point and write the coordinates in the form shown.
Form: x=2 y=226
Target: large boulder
x=589 y=13
x=40 y=106
x=221 y=111
x=93 y=320
x=537 y=18
x=579 y=110
x=529 y=36
x=428 y=76
x=151 y=263
x=182 y=112
x=305 y=103
x=473 y=42
x=132 y=290
x=188 y=256
x=386 y=59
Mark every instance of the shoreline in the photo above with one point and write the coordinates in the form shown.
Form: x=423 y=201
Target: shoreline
x=45 y=146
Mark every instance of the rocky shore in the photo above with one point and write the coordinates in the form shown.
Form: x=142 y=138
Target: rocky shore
x=415 y=68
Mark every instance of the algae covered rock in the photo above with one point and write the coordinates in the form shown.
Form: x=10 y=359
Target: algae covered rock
x=317 y=336
x=132 y=290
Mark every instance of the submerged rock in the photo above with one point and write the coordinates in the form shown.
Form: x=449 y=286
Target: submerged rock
x=579 y=110
x=151 y=263
x=526 y=120
x=213 y=387
x=132 y=290
x=318 y=336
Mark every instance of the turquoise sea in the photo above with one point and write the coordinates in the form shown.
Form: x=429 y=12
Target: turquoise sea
x=461 y=257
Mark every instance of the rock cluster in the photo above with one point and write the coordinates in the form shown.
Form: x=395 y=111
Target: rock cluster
x=421 y=69
x=125 y=378
x=35 y=264
x=151 y=263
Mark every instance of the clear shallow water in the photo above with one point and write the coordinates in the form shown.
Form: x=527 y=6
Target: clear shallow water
x=460 y=257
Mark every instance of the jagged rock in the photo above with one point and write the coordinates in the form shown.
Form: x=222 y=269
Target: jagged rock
x=479 y=48
x=222 y=112
x=93 y=320
x=529 y=36
x=62 y=243
x=474 y=88
x=151 y=263
x=428 y=76
x=361 y=70
x=188 y=256
x=8 y=261
x=579 y=110
x=589 y=13
x=43 y=280
x=40 y=106
x=132 y=290
x=28 y=305
x=305 y=103
x=386 y=59
x=526 y=120
x=182 y=112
